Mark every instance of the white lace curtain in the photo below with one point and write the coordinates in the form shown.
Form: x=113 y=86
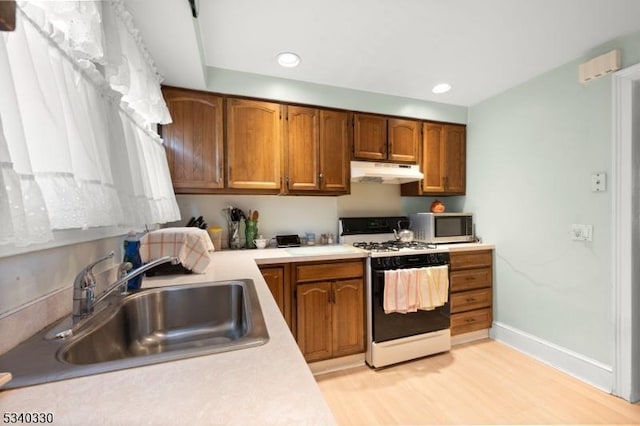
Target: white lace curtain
x=76 y=145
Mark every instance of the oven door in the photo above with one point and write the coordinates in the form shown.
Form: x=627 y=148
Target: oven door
x=395 y=325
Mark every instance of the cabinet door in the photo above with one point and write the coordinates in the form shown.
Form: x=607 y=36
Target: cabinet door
x=348 y=317
x=274 y=276
x=314 y=320
x=303 y=151
x=335 y=143
x=254 y=144
x=433 y=164
x=369 y=137
x=193 y=140
x=455 y=159
x=404 y=140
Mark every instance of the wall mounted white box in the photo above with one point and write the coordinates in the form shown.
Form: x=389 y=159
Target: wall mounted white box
x=599 y=66
x=581 y=232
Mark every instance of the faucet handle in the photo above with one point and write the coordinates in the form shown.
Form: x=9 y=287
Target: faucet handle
x=85 y=276
x=124 y=268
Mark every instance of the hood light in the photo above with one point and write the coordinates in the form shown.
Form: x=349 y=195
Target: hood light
x=288 y=59
x=441 y=88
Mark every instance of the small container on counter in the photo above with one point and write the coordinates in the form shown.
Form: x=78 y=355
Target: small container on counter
x=311 y=239
x=132 y=254
x=215 y=233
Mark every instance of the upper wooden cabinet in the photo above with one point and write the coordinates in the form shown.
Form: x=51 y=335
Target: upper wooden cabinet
x=220 y=144
x=193 y=140
x=369 y=137
x=7 y=15
x=443 y=161
x=254 y=145
x=404 y=140
x=381 y=138
x=318 y=144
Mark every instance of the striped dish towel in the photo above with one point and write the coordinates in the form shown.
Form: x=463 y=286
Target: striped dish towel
x=191 y=245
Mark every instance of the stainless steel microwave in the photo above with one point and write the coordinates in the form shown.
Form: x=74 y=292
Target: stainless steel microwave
x=439 y=228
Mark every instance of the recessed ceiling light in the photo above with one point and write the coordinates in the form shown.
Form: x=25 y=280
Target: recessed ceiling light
x=441 y=88
x=288 y=59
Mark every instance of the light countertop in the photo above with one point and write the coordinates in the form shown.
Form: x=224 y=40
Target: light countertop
x=269 y=384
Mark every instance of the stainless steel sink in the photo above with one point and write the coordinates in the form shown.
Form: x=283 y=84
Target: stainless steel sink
x=147 y=327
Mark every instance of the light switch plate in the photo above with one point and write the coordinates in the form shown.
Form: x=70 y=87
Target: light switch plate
x=581 y=232
x=599 y=182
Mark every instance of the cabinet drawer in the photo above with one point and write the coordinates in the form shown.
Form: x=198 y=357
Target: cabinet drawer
x=470 y=321
x=469 y=279
x=470 y=300
x=329 y=271
x=472 y=259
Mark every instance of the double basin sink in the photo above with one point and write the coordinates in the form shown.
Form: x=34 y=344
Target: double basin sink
x=146 y=327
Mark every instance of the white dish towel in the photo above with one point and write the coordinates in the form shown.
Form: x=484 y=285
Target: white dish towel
x=433 y=287
x=400 y=291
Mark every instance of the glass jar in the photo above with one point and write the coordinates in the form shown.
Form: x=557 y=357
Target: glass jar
x=250 y=233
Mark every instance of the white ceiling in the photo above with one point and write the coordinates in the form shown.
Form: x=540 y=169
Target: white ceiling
x=394 y=47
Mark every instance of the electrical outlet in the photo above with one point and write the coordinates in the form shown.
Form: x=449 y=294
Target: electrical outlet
x=599 y=182
x=581 y=232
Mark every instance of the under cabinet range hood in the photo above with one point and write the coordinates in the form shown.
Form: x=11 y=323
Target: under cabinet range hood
x=365 y=171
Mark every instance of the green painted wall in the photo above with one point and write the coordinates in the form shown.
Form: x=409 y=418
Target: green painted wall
x=531 y=152
x=280 y=89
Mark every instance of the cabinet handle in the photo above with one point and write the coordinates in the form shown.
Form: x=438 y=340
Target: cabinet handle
x=470 y=320
x=471 y=299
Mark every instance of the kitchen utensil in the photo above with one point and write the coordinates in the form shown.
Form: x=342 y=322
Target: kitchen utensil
x=260 y=243
x=403 y=235
x=234 y=235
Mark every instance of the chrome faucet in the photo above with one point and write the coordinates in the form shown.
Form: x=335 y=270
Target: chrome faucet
x=84 y=285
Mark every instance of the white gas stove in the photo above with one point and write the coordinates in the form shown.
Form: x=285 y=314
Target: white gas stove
x=396 y=337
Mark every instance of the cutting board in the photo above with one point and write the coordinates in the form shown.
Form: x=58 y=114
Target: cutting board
x=4 y=378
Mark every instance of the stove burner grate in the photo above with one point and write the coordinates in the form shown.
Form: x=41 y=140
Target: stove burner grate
x=392 y=245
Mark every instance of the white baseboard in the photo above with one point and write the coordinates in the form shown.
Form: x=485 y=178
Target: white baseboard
x=579 y=366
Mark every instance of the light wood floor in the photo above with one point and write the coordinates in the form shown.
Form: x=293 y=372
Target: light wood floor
x=483 y=382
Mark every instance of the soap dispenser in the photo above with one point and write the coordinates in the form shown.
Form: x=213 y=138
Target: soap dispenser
x=132 y=255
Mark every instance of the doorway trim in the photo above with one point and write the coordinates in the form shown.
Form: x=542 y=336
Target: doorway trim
x=623 y=229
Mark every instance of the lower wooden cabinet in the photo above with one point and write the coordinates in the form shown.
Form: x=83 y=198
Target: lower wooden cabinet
x=277 y=278
x=329 y=300
x=471 y=281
